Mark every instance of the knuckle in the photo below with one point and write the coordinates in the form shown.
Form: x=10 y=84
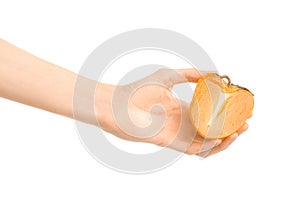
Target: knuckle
x=161 y=142
x=189 y=152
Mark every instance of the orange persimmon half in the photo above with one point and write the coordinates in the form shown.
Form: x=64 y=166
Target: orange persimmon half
x=219 y=108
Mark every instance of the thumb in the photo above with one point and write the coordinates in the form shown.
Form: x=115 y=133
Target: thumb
x=170 y=77
x=179 y=76
x=188 y=74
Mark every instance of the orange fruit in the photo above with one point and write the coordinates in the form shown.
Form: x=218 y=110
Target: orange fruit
x=219 y=108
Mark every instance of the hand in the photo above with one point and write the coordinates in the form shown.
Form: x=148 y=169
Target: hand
x=143 y=111
x=147 y=111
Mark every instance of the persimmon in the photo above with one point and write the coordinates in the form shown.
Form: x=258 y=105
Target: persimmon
x=219 y=108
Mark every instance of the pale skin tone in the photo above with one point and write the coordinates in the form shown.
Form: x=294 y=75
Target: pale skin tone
x=27 y=79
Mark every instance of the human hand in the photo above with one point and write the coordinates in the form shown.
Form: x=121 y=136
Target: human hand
x=143 y=111
x=147 y=111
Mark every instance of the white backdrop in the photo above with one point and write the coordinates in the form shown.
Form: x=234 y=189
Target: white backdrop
x=255 y=42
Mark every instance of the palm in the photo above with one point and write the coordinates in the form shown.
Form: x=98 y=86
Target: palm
x=158 y=102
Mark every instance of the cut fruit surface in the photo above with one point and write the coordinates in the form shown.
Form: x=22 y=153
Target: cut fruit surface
x=219 y=108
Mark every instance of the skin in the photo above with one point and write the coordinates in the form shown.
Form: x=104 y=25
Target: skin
x=155 y=115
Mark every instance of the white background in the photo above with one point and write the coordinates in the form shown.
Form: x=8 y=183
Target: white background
x=255 y=42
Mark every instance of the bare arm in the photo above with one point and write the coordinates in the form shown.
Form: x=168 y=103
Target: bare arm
x=30 y=80
x=35 y=82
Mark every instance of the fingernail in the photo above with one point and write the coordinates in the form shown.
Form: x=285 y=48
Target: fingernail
x=218 y=142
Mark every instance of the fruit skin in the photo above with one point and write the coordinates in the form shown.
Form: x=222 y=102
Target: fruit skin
x=218 y=108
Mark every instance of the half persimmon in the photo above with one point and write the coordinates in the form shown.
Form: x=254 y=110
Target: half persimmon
x=219 y=108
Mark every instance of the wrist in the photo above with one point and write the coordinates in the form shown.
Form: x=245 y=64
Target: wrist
x=103 y=107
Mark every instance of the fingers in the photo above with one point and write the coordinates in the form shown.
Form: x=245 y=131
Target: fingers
x=198 y=147
x=170 y=77
x=221 y=147
x=242 y=129
x=189 y=74
x=225 y=143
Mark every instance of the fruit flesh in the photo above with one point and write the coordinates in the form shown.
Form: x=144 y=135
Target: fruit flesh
x=219 y=108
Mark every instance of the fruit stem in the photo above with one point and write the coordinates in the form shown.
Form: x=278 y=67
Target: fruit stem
x=228 y=79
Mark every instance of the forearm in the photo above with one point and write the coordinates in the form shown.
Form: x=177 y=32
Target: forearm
x=35 y=82
x=30 y=80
